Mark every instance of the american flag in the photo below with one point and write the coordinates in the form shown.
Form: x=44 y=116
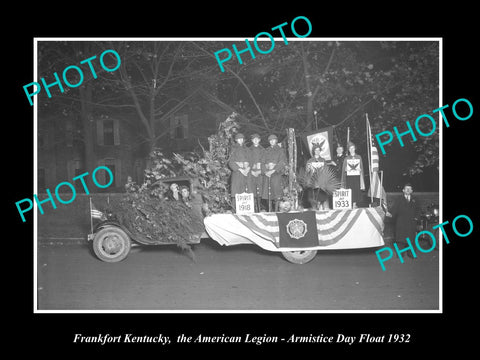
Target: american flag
x=332 y=226
x=336 y=229
x=95 y=213
x=376 y=188
x=375 y=160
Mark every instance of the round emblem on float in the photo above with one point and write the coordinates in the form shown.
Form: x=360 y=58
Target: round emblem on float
x=296 y=228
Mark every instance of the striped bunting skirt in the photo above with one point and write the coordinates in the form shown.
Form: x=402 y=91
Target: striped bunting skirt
x=337 y=229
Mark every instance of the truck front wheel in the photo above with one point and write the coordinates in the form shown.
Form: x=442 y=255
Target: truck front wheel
x=111 y=244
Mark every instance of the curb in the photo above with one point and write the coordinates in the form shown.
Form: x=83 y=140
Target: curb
x=62 y=241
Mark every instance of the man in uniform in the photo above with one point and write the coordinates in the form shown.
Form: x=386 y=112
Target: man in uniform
x=273 y=165
x=256 y=178
x=239 y=162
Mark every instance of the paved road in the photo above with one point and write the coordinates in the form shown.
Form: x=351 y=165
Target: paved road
x=244 y=277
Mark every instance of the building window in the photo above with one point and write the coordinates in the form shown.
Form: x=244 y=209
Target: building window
x=108 y=132
x=179 y=133
x=110 y=163
x=179 y=127
x=108 y=136
x=69 y=132
x=115 y=167
x=78 y=184
x=75 y=168
x=139 y=168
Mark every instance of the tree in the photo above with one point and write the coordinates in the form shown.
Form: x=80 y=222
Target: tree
x=76 y=103
x=312 y=84
x=154 y=76
x=304 y=85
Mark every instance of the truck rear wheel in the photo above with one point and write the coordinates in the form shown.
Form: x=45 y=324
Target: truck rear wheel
x=299 y=257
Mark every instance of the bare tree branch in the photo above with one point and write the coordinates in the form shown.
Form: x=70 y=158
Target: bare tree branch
x=244 y=85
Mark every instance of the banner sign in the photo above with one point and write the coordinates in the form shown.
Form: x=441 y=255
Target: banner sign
x=342 y=199
x=244 y=204
x=323 y=138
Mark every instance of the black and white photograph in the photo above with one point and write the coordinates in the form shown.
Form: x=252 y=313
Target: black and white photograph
x=279 y=172
x=145 y=148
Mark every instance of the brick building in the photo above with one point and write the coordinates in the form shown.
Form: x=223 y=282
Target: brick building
x=118 y=142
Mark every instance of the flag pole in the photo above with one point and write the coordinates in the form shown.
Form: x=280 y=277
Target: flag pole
x=369 y=149
x=346 y=153
x=383 y=200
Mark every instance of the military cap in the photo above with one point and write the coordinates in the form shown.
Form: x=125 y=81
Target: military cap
x=253 y=136
x=273 y=136
x=239 y=136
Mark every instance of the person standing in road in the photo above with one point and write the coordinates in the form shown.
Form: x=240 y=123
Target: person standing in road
x=405 y=212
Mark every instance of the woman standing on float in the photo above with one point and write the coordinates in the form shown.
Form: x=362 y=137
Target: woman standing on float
x=352 y=174
x=317 y=197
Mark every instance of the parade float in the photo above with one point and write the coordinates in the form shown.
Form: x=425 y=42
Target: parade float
x=154 y=214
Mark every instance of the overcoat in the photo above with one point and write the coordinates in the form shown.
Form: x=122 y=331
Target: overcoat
x=274 y=158
x=239 y=158
x=405 y=213
x=256 y=160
